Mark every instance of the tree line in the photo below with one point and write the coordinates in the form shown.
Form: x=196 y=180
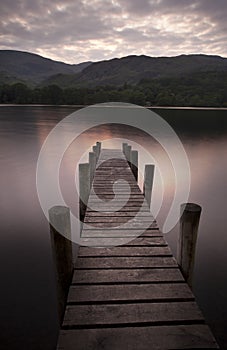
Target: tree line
x=202 y=90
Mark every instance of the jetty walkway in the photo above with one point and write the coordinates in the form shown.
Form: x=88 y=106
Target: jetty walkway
x=131 y=296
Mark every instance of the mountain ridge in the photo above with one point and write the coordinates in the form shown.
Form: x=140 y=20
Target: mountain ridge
x=185 y=80
x=33 y=68
x=131 y=69
x=37 y=70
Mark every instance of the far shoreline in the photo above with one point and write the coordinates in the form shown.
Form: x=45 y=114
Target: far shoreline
x=84 y=106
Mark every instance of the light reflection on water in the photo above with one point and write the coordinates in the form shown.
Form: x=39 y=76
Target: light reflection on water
x=28 y=316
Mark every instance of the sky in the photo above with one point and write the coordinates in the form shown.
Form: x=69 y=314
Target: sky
x=75 y=31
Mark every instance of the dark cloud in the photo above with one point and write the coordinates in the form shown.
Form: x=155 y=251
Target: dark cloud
x=82 y=30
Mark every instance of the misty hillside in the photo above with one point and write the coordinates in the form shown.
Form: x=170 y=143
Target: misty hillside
x=132 y=69
x=32 y=68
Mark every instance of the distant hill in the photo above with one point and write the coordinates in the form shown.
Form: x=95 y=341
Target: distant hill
x=132 y=69
x=31 y=68
x=186 y=80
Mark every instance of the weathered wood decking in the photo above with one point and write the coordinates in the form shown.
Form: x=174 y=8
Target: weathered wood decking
x=131 y=296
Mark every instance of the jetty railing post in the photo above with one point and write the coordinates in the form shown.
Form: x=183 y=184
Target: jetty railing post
x=134 y=163
x=98 y=145
x=95 y=150
x=128 y=153
x=124 y=145
x=148 y=182
x=189 y=223
x=92 y=162
x=84 y=187
x=60 y=232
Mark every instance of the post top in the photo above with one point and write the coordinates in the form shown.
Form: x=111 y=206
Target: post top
x=58 y=210
x=191 y=207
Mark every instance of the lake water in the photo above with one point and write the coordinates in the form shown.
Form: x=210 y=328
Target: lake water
x=28 y=300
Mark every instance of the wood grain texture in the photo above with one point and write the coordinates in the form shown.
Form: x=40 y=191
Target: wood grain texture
x=138 y=338
x=129 y=214
x=156 y=240
x=99 y=242
x=128 y=293
x=115 y=314
x=127 y=276
x=105 y=232
x=124 y=251
x=129 y=262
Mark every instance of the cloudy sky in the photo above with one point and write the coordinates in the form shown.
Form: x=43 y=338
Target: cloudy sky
x=74 y=31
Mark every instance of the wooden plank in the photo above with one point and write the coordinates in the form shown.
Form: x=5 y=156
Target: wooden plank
x=127 y=241
x=111 y=233
x=132 y=224
x=117 y=185
x=114 y=173
x=122 y=172
x=113 y=178
x=127 y=276
x=120 y=203
x=119 y=214
x=130 y=262
x=114 y=210
x=128 y=225
x=113 y=161
x=118 y=169
x=129 y=293
x=105 y=177
x=117 y=219
x=121 y=198
x=138 y=338
x=112 y=158
x=118 y=241
x=109 y=191
x=115 y=314
x=148 y=241
x=117 y=207
x=124 y=251
x=114 y=169
x=116 y=176
x=110 y=181
x=111 y=209
x=122 y=226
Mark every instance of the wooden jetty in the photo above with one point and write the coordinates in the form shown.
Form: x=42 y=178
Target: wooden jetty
x=132 y=296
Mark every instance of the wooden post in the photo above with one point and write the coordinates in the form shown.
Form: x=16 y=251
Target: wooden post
x=95 y=150
x=98 y=145
x=92 y=162
x=128 y=152
x=134 y=163
x=84 y=187
x=148 y=182
x=189 y=223
x=124 y=145
x=60 y=232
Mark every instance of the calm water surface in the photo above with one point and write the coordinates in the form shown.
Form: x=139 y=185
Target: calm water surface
x=28 y=301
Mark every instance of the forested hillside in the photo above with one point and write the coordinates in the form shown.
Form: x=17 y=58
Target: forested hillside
x=193 y=80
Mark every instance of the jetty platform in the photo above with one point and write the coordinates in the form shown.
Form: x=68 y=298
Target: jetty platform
x=127 y=290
